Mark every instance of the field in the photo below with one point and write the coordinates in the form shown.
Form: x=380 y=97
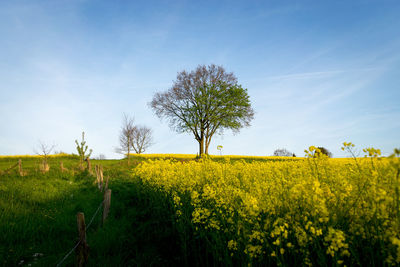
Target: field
x=173 y=210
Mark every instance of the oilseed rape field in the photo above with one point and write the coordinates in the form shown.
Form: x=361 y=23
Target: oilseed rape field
x=175 y=210
x=315 y=211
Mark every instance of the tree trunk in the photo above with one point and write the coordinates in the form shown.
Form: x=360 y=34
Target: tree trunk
x=208 y=141
x=201 y=147
x=207 y=144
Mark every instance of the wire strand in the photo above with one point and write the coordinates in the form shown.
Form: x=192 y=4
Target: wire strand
x=77 y=244
x=69 y=253
x=88 y=225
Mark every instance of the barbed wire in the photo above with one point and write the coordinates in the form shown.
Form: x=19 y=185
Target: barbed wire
x=77 y=244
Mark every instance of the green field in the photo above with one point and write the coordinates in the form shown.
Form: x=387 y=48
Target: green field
x=38 y=217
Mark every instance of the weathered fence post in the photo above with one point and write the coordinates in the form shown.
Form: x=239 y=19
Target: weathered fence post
x=106 y=185
x=82 y=250
x=99 y=176
x=62 y=166
x=21 y=172
x=89 y=165
x=106 y=204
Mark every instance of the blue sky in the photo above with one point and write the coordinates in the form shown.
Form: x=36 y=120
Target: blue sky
x=317 y=72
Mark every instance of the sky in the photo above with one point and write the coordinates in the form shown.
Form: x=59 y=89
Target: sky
x=317 y=72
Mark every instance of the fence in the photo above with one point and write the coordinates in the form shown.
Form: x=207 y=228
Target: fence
x=81 y=247
x=20 y=170
x=44 y=167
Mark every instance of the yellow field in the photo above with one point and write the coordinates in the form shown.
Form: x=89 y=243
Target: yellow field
x=35 y=156
x=336 y=210
x=193 y=156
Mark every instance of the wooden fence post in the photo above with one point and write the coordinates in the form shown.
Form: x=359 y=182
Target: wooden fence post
x=99 y=176
x=21 y=172
x=82 y=250
x=106 y=204
x=89 y=165
x=106 y=185
x=62 y=166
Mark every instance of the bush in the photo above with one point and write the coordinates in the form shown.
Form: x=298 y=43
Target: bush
x=283 y=152
x=324 y=151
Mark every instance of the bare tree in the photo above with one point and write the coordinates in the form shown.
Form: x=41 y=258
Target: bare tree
x=142 y=139
x=44 y=150
x=101 y=157
x=126 y=136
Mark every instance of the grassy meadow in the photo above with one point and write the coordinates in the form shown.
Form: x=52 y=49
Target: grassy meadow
x=172 y=210
x=38 y=216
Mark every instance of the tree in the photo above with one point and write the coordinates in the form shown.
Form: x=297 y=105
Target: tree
x=101 y=157
x=44 y=150
x=142 y=139
x=324 y=151
x=203 y=102
x=135 y=137
x=219 y=147
x=82 y=149
x=283 y=152
x=126 y=136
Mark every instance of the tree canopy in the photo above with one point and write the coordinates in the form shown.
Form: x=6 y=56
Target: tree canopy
x=203 y=102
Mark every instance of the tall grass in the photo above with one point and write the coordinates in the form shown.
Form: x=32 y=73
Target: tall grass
x=38 y=212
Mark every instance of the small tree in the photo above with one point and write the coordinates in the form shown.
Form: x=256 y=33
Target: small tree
x=82 y=150
x=219 y=147
x=101 y=157
x=44 y=150
x=283 y=152
x=142 y=139
x=126 y=136
x=324 y=151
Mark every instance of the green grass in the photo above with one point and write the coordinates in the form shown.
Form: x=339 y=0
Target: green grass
x=38 y=216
